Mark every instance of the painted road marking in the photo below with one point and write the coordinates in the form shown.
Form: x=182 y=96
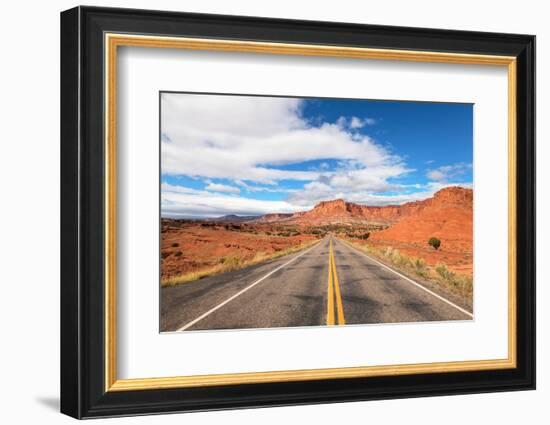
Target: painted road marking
x=339 y=304
x=330 y=291
x=242 y=291
x=410 y=280
x=334 y=292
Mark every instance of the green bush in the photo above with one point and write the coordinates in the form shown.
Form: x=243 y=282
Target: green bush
x=436 y=243
x=420 y=267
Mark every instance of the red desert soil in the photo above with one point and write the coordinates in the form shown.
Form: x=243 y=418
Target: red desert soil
x=188 y=246
x=448 y=216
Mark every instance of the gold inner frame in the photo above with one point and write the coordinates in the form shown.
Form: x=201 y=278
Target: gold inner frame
x=113 y=41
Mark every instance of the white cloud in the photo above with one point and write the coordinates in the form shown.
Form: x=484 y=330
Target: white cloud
x=167 y=187
x=236 y=137
x=270 y=188
x=350 y=182
x=216 y=187
x=355 y=122
x=179 y=201
x=448 y=172
x=370 y=121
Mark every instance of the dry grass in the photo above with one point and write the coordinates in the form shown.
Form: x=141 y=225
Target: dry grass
x=231 y=263
x=457 y=283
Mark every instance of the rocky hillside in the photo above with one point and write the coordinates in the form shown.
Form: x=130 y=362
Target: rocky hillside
x=340 y=211
x=447 y=216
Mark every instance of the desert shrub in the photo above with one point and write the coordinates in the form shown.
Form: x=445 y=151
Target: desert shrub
x=402 y=260
x=396 y=258
x=443 y=271
x=175 y=245
x=419 y=266
x=463 y=284
x=436 y=243
x=365 y=236
x=178 y=254
x=165 y=255
x=419 y=263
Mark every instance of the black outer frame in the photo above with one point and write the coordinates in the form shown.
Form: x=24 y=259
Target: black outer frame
x=82 y=206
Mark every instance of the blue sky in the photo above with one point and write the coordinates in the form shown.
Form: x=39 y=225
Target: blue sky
x=252 y=155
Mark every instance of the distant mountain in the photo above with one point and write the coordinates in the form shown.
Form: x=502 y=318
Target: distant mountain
x=233 y=218
x=272 y=218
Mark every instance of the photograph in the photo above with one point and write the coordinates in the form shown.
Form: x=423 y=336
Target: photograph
x=283 y=210
x=290 y=212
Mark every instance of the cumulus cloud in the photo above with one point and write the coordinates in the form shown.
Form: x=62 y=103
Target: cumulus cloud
x=448 y=172
x=352 y=182
x=246 y=138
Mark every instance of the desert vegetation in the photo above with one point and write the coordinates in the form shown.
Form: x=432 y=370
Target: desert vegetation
x=435 y=242
x=194 y=249
x=415 y=267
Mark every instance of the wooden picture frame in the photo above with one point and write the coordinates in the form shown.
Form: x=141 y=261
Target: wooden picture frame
x=90 y=38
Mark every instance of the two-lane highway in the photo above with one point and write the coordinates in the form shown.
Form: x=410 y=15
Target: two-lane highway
x=331 y=283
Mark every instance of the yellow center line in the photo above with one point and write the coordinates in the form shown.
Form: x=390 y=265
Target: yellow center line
x=334 y=289
x=339 y=304
x=330 y=293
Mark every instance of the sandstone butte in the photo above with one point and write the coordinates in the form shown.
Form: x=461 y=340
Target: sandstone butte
x=448 y=215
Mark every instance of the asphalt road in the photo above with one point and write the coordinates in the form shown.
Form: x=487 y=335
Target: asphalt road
x=331 y=283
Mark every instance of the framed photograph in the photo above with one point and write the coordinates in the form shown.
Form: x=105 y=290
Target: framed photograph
x=261 y=212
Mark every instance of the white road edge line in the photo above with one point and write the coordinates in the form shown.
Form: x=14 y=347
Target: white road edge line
x=242 y=291
x=410 y=280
